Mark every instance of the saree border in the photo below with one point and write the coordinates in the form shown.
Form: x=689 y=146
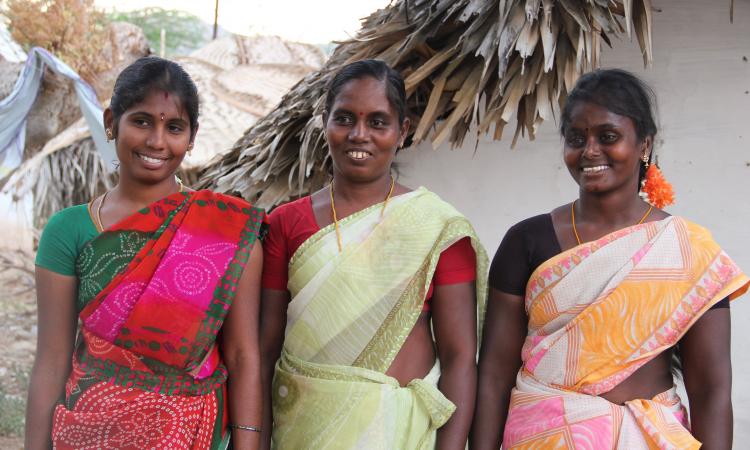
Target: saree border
x=379 y=353
x=543 y=276
x=226 y=289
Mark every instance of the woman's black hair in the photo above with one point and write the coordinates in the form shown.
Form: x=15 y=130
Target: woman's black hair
x=622 y=93
x=152 y=73
x=394 y=83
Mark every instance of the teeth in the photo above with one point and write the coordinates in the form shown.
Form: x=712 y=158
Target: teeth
x=358 y=155
x=594 y=169
x=149 y=159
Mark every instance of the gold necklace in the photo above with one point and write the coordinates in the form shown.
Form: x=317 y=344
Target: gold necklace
x=573 y=218
x=101 y=202
x=335 y=217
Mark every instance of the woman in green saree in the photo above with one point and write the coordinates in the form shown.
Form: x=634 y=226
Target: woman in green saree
x=165 y=283
x=358 y=357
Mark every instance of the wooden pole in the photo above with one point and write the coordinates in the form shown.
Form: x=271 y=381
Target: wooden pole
x=216 y=19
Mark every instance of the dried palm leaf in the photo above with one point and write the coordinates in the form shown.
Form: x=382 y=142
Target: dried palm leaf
x=60 y=176
x=468 y=65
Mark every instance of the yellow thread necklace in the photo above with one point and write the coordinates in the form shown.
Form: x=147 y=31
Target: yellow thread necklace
x=335 y=217
x=573 y=218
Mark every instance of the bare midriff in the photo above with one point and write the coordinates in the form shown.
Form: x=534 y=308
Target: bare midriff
x=651 y=379
x=417 y=355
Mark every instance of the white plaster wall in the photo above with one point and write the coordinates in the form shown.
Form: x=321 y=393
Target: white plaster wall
x=702 y=85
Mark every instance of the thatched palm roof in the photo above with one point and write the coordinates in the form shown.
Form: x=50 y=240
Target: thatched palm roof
x=469 y=66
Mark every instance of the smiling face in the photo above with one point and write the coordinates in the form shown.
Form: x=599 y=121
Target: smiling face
x=363 y=130
x=602 y=149
x=151 y=137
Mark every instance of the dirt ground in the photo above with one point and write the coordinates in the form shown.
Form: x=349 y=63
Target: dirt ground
x=18 y=337
x=18 y=322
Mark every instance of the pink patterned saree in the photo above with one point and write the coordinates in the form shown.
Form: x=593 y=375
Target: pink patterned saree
x=154 y=291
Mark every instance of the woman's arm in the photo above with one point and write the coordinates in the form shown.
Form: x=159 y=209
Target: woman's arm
x=499 y=361
x=241 y=354
x=272 y=325
x=454 y=322
x=707 y=371
x=56 y=327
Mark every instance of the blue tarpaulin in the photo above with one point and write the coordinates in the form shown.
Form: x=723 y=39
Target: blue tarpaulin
x=16 y=106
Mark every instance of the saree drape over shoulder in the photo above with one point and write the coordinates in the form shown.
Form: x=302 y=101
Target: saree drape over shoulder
x=154 y=291
x=350 y=314
x=597 y=313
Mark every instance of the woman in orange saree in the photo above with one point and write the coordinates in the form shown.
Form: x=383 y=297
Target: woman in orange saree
x=164 y=282
x=589 y=302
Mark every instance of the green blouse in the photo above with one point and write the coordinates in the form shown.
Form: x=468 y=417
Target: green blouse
x=66 y=233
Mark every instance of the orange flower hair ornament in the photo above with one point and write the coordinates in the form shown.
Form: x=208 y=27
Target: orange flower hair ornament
x=658 y=190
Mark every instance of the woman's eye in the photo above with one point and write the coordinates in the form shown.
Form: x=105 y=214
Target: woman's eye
x=342 y=120
x=176 y=128
x=379 y=123
x=140 y=122
x=608 y=138
x=575 y=141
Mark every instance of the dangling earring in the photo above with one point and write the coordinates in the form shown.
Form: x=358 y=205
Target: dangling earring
x=108 y=132
x=190 y=149
x=659 y=191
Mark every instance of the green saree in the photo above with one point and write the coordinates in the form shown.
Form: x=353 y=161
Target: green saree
x=350 y=313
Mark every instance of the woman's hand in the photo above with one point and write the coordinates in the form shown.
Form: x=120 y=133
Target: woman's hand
x=241 y=353
x=56 y=312
x=505 y=329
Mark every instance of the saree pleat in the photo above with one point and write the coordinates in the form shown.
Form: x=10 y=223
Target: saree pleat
x=349 y=316
x=154 y=291
x=599 y=312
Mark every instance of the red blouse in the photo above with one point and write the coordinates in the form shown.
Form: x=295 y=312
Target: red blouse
x=293 y=223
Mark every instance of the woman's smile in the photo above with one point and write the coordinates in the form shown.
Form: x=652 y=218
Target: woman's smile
x=151 y=162
x=595 y=170
x=359 y=155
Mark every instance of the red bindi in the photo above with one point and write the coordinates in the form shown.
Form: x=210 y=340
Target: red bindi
x=166 y=95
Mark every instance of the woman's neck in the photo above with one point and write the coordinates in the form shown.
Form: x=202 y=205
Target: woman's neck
x=617 y=208
x=362 y=194
x=141 y=194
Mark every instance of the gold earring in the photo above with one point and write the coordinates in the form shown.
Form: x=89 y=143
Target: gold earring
x=644 y=158
x=108 y=132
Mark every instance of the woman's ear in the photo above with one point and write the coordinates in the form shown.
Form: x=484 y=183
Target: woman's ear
x=404 y=131
x=647 y=147
x=109 y=121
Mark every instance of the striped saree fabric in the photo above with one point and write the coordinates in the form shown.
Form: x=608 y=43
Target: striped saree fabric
x=350 y=313
x=597 y=313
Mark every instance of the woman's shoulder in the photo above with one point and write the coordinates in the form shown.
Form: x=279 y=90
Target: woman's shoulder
x=696 y=232
x=295 y=208
x=71 y=218
x=540 y=222
x=66 y=232
x=428 y=199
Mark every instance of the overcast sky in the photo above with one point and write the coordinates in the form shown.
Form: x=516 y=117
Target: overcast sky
x=316 y=22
